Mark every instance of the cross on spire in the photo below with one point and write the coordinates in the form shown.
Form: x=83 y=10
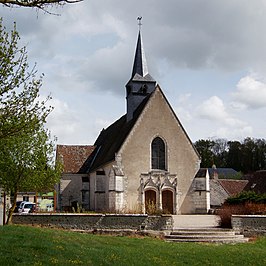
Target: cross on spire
x=139 y=22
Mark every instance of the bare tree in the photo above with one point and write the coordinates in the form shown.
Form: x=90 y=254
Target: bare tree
x=40 y=4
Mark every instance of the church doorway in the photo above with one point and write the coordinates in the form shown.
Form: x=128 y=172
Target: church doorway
x=150 y=201
x=168 y=201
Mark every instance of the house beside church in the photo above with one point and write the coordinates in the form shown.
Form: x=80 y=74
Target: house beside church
x=144 y=160
x=224 y=184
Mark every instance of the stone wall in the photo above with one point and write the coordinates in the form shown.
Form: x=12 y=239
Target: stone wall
x=249 y=225
x=97 y=221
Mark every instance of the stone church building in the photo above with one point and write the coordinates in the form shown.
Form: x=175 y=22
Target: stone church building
x=145 y=160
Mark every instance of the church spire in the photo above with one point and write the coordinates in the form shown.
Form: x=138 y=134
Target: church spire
x=140 y=64
x=141 y=83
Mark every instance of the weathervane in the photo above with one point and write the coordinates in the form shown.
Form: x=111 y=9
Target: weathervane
x=139 y=23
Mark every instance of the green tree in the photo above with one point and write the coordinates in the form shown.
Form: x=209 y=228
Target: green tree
x=26 y=164
x=205 y=149
x=234 y=157
x=25 y=148
x=220 y=151
x=20 y=110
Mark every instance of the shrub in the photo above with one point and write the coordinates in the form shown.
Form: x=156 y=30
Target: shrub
x=152 y=209
x=247 y=196
x=226 y=212
x=245 y=208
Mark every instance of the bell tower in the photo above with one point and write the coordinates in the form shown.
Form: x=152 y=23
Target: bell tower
x=141 y=83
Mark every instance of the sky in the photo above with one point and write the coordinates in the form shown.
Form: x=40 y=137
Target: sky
x=209 y=58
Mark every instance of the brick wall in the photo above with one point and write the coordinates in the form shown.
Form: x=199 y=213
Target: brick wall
x=97 y=221
x=249 y=225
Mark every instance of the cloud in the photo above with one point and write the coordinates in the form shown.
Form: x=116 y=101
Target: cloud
x=233 y=133
x=83 y=32
x=250 y=92
x=225 y=35
x=63 y=121
x=222 y=122
x=213 y=109
x=88 y=50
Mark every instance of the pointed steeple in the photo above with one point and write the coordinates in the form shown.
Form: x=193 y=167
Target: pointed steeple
x=140 y=64
x=141 y=83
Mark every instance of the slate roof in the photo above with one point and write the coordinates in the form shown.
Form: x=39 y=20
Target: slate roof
x=201 y=172
x=111 y=139
x=223 y=173
x=258 y=182
x=217 y=193
x=221 y=189
x=73 y=156
x=140 y=64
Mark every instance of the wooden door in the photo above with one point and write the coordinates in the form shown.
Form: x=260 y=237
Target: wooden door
x=168 y=201
x=150 y=201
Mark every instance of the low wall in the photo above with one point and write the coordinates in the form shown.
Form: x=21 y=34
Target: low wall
x=97 y=221
x=249 y=225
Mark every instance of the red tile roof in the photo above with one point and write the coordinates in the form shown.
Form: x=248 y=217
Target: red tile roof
x=73 y=156
x=233 y=187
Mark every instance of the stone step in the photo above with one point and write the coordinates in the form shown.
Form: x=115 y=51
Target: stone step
x=211 y=232
x=212 y=235
x=203 y=240
x=203 y=236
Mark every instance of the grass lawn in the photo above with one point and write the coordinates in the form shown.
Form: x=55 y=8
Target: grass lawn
x=23 y=245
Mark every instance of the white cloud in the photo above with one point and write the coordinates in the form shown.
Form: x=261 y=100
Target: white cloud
x=213 y=109
x=233 y=133
x=89 y=50
x=222 y=121
x=63 y=121
x=250 y=92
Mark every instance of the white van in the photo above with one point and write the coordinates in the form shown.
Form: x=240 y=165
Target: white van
x=27 y=207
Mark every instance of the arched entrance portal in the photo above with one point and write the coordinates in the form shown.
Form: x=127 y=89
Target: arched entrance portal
x=168 y=201
x=150 y=201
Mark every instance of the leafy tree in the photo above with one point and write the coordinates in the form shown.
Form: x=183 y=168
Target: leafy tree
x=220 y=150
x=25 y=149
x=260 y=154
x=234 y=156
x=26 y=164
x=20 y=111
x=205 y=149
x=246 y=156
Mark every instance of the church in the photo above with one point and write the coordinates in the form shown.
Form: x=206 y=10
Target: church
x=144 y=162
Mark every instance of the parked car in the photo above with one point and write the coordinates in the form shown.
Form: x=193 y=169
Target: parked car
x=27 y=207
x=17 y=206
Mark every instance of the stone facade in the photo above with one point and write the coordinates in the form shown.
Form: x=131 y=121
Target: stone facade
x=143 y=161
x=73 y=192
x=73 y=189
x=125 y=180
x=201 y=191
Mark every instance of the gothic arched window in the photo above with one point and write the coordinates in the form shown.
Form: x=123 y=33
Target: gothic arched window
x=158 y=154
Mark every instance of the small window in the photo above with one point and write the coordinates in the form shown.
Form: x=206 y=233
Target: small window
x=158 y=154
x=143 y=89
